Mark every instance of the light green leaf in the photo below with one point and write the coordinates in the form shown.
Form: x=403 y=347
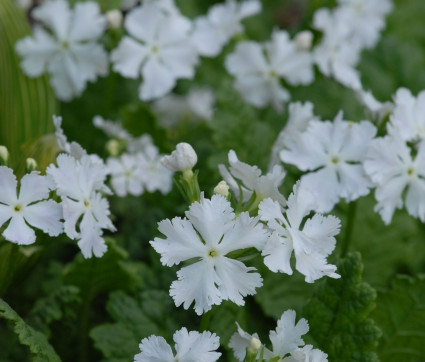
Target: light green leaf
x=27 y=104
x=36 y=341
x=400 y=313
x=338 y=315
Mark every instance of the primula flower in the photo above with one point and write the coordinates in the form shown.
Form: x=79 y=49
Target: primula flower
x=209 y=233
x=334 y=151
x=27 y=207
x=126 y=174
x=155 y=175
x=299 y=116
x=223 y=21
x=409 y=115
x=311 y=243
x=190 y=347
x=258 y=69
x=365 y=18
x=78 y=183
x=68 y=50
x=286 y=341
x=251 y=180
x=336 y=56
x=158 y=48
x=393 y=169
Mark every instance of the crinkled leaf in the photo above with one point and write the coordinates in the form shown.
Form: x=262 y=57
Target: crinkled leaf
x=59 y=304
x=135 y=319
x=400 y=313
x=36 y=341
x=338 y=315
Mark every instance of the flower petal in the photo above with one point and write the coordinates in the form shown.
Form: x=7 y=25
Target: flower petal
x=19 y=232
x=46 y=216
x=195 y=346
x=8 y=184
x=154 y=349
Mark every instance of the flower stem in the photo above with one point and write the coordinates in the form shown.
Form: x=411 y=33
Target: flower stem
x=348 y=236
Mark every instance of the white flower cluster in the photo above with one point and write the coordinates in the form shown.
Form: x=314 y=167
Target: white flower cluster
x=348 y=29
x=66 y=47
x=139 y=168
x=288 y=346
x=259 y=68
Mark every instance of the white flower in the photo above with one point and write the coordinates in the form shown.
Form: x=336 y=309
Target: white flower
x=303 y=40
x=78 y=183
x=190 y=347
x=181 y=159
x=299 y=116
x=393 y=169
x=286 y=340
x=155 y=175
x=26 y=207
x=223 y=21
x=336 y=56
x=311 y=243
x=334 y=151
x=158 y=48
x=195 y=105
x=375 y=110
x=409 y=114
x=126 y=174
x=258 y=69
x=251 y=180
x=208 y=233
x=365 y=18
x=116 y=130
x=69 y=52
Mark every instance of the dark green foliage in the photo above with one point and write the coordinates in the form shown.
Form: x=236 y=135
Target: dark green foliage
x=400 y=313
x=338 y=315
x=36 y=341
x=134 y=319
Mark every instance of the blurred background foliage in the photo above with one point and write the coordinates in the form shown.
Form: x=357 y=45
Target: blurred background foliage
x=99 y=309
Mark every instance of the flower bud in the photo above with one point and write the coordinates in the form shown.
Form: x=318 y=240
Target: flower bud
x=4 y=155
x=303 y=40
x=30 y=165
x=181 y=159
x=114 y=19
x=222 y=189
x=254 y=345
x=113 y=147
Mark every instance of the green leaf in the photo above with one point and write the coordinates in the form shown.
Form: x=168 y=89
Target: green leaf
x=54 y=307
x=135 y=319
x=36 y=341
x=338 y=315
x=27 y=104
x=96 y=275
x=400 y=313
x=385 y=250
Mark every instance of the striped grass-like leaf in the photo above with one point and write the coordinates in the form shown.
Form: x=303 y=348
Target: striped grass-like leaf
x=26 y=104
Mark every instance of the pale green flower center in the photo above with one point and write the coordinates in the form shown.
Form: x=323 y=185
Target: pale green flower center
x=17 y=208
x=335 y=160
x=86 y=203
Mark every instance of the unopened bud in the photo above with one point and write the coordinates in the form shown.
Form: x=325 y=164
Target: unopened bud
x=222 y=189
x=4 y=155
x=183 y=158
x=114 y=18
x=303 y=40
x=254 y=346
x=31 y=165
x=113 y=147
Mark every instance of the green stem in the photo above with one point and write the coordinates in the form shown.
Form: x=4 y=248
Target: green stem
x=85 y=315
x=351 y=216
x=205 y=321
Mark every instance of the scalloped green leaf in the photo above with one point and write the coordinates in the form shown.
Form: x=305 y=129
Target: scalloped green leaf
x=338 y=315
x=36 y=341
x=400 y=313
x=27 y=104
